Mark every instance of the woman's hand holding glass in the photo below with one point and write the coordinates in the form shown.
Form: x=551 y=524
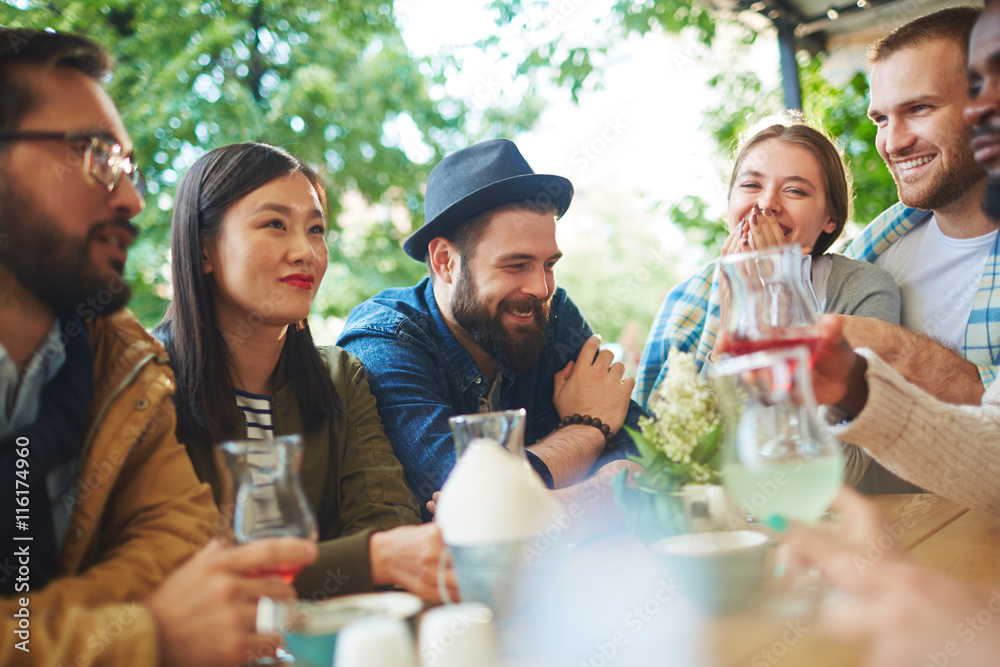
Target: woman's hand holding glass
x=262 y=484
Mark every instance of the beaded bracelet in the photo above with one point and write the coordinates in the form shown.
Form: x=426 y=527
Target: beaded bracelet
x=587 y=420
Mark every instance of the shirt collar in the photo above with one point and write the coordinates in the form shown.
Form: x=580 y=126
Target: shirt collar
x=47 y=359
x=44 y=362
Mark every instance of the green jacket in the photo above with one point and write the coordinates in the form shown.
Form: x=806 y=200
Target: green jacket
x=350 y=474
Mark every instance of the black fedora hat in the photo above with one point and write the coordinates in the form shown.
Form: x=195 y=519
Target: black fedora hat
x=479 y=178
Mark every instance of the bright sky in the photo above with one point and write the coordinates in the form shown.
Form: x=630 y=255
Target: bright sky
x=638 y=135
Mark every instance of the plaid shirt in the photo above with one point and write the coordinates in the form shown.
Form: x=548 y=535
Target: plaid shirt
x=981 y=344
x=688 y=320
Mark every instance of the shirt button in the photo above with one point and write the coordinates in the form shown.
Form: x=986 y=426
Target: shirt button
x=77 y=534
x=141 y=404
x=479 y=380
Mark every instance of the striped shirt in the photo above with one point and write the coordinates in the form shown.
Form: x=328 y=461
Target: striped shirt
x=981 y=344
x=262 y=508
x=256 y=410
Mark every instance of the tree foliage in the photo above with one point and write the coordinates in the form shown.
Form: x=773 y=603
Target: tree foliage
x=333 y=82
x=744 y=98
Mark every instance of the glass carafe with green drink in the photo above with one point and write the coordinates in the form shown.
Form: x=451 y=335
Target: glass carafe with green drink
x=778 y=458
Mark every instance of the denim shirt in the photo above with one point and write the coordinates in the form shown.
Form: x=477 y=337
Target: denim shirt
x=421 y=375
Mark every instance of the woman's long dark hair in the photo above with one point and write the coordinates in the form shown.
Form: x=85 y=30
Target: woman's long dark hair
x=205 y=396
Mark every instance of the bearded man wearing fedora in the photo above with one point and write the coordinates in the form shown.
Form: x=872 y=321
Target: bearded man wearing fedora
x=489 y=330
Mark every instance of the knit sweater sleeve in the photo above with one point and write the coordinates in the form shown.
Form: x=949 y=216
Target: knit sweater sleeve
x=951 y=450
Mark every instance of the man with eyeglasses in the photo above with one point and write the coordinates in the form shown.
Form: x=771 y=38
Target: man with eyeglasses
x=99 y=504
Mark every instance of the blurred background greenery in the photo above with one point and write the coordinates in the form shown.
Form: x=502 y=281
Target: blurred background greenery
x=335 y=84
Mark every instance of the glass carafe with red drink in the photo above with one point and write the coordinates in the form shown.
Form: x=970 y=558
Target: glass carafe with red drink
x=769 y=304
x=263 y=491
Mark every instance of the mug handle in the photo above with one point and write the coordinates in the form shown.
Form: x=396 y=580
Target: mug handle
x=442 y=572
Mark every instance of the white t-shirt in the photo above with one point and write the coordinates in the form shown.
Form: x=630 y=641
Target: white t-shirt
x=937 y=277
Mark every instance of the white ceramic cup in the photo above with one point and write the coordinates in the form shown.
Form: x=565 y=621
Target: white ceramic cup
x=375 y=642
x=458 y=635
x=721 y=571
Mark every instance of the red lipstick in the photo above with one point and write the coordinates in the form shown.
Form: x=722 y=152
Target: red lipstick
x=299 y=280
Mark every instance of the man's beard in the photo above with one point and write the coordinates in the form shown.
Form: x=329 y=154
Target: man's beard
x=949 y=186
x=53 y=265
x=518 y=349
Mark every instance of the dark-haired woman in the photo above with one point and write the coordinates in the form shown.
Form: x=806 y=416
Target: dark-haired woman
x=248 y=241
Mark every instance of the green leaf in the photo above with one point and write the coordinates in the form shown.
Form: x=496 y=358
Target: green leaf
x=708 y=446
x=646 y=448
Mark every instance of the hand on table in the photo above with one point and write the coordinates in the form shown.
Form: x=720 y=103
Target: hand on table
x=908 y=613
x=408 y=556
x=593 y=385
x=207 y=609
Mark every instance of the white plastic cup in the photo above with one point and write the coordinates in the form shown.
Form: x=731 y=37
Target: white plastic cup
x=375 y=642
x=458 y=635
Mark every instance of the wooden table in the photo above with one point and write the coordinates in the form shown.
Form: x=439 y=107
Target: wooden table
x=617 y=608
x=936 y=532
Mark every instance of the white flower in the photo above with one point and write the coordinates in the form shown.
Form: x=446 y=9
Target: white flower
x=685 y=411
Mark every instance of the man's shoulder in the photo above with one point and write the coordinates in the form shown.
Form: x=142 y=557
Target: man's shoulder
x=392 y=315
x=887 y=228
x=388 y=309
x=120 y=344
x=122 y=333
x=564 y=314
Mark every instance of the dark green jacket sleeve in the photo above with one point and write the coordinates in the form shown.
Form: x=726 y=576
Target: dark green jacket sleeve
x=351 y=477
x=365 y=489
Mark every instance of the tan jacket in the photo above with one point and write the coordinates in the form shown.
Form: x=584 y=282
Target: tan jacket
x=139 y=512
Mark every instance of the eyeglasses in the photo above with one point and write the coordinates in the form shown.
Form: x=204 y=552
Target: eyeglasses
x=102 y=156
